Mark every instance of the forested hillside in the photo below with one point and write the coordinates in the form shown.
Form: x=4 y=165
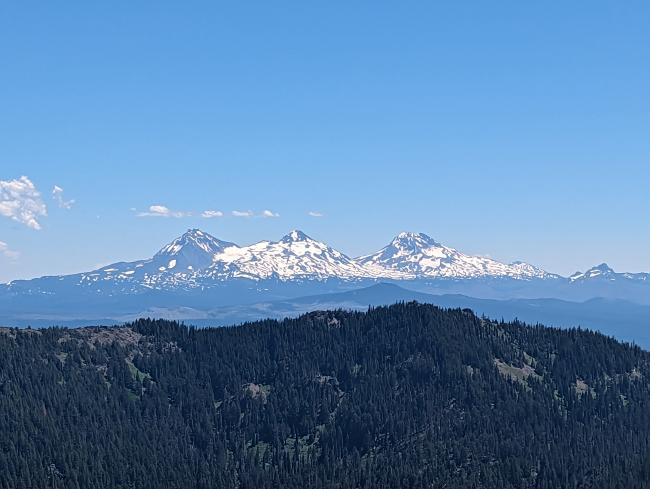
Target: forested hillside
x=407 y=396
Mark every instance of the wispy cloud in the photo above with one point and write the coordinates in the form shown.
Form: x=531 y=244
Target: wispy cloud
x=57 y=195
x=268 y=213
x=21 y=201
x=8 y=252
x=209 y=214
x=163 y=211
x=315 y=214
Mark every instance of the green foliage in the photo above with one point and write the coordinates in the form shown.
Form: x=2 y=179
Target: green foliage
x=407 y=396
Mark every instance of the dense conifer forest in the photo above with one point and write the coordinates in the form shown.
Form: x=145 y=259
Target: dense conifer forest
x=406 y=396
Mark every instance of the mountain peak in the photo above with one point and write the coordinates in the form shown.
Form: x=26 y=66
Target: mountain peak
x=295 y=256
x=605 y=272
x=602 y=270
x=295 y=235
x=193 y=250
x=196 y=232
x=413 y=240
x=603 y=267
x=411 y=234
x=416 y=255
x=195 y=238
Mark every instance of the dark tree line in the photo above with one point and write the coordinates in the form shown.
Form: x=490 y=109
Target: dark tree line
x=407 y=396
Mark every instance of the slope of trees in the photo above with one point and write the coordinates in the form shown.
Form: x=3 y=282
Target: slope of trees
x=406 y=396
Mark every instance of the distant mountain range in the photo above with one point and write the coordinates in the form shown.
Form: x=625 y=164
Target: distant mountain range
x=198 y=276
x=198 y=260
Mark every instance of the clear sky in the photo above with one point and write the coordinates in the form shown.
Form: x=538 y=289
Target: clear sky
x=518 y=130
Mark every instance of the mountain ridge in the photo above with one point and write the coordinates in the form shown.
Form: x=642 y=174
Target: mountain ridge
x=406 y=396
x=196 y=256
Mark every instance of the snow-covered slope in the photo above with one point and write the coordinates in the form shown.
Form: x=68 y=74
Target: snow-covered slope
x=416 y=255
x=296 y=256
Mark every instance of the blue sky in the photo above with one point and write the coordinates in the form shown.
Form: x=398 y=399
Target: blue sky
x=515 y=130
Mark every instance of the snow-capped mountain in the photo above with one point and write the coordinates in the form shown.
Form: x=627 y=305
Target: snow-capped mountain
x=295 y=256
x=604 y=272
x=179 y=264
x=194 y=250
x=416 y=255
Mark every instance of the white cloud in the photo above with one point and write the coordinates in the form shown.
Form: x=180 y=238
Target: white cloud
x=209 y=214
x=57 y=195
x=268 y=213
x=21 y=201
x=8 y=252
x=163 y=211
x=242 y=213
x=315 y=214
